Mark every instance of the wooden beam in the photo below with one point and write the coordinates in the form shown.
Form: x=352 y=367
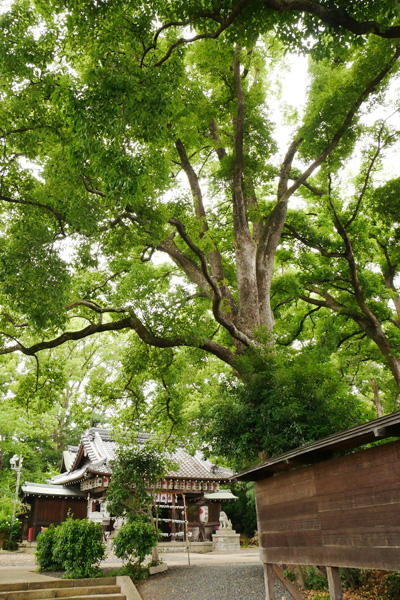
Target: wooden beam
x=335 y=585
x=287 y=583
x=269 y=582
x=380 y=432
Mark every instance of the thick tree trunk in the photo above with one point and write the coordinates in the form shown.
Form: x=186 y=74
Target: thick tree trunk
x=376 y=334
x=377 y=400
x=248 y=315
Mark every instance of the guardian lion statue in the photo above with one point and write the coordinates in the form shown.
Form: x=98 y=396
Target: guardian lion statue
x=225 y=523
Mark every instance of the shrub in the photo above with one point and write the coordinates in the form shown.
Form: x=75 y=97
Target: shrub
x=315 y=580
x=45 y=550
x=5 y=528
x=135 y=539
x=136 y=572
x=392 y=586
x=79 y=547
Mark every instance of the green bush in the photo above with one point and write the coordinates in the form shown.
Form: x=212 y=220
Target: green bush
x=79 y=547
x=45 y=550
x=10 y=545
x=136 y=572
x=76 y=547
x=392 y=586
x=315 y=580
x=135 y=539
x=5 y=528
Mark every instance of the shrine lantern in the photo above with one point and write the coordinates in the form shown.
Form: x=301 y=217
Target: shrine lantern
x=204 y=514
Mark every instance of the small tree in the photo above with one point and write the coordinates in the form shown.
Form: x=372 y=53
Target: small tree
x=136 y=471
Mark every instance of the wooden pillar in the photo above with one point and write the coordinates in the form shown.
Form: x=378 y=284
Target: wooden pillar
x=335 y=585
x=34 y=520
x=269 y=582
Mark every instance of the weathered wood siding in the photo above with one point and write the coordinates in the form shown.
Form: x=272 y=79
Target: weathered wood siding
x=47 y=511
x=340 y=512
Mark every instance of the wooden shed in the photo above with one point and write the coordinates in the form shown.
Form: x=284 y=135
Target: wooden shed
x=49 y=505
x=331 y=503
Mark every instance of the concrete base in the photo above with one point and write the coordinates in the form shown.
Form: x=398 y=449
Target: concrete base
x=227 y=541
x=158 y=569
x=195 y=547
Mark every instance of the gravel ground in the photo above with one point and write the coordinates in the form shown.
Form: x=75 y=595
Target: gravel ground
x=16 y=559
x=205 y=582
x=224 y=581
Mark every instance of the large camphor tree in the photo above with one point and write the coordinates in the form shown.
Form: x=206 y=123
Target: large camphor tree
x=132 y=131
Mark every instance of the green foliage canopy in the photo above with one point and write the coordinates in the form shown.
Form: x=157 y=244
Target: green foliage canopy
x=122 y=140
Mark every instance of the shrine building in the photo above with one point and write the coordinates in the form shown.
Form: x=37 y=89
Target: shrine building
x=189 y=498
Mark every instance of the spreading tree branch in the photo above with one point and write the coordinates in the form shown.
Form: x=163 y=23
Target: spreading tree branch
x=217 y=294
x=329 y=14
x=129 y=322
x=368 y=90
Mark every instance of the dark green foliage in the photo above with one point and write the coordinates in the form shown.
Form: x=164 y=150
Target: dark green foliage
x=135 y=571
x=5 y=528
x=242 y=512
x=45 y=555
x=392 y=586
x=288 y=400
x=76 y=547
x=315 y=580
x=135 y=539
x=135 y=470
x=135 y=473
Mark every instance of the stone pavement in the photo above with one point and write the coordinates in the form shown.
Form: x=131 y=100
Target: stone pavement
x=18 y=567
x=21 y=574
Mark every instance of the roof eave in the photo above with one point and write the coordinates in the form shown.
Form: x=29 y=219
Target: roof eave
x=379 y=429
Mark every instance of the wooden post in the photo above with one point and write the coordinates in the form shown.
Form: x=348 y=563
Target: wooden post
x=186 y=528
x=269 y=582
x=335 y=585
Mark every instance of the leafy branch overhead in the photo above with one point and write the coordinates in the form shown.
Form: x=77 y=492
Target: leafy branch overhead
x=144 y=188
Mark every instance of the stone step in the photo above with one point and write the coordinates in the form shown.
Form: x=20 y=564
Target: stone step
x=102 y=588
x=56 y=583
x=60 y=592
x=103 y=596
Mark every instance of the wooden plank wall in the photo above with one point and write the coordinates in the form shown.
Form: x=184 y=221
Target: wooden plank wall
x=47 y=511
x=340 y=512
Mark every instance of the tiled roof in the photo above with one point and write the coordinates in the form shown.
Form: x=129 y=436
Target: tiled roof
x=101 y=467
x=98 y=446
x=68 y=457
x=195 y=467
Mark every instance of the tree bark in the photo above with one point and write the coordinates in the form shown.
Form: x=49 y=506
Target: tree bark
x=377 y=400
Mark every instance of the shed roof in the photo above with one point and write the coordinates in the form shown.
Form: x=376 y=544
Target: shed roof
x=379 y=429
x=221 y=495
x=47 y=489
